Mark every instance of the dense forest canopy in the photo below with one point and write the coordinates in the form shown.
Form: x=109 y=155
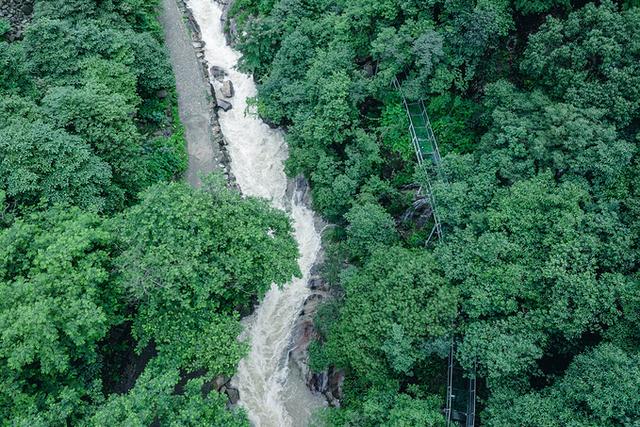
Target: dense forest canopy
x=121 y=290
x=122 y=287
x=536 y=108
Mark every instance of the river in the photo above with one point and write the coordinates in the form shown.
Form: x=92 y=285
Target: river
x=273 y=394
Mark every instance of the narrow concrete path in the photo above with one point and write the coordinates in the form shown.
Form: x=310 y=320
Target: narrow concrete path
x=193 y=100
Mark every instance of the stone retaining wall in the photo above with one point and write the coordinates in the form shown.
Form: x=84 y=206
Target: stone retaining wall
x=218 y=138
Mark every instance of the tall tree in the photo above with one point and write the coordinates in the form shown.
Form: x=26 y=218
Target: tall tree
x=42 y=164
x=192 y=257
x=57 y=304
x=590 y=59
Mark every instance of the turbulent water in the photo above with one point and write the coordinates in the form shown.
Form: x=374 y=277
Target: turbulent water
x=273 y=395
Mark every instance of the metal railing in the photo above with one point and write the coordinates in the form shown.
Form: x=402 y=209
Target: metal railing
x=460 y=407
x=424 y=143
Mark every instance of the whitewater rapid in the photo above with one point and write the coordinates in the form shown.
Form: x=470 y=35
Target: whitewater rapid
x=273 y=395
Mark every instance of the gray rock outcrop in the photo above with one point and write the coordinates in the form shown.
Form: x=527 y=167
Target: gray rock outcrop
x=233 y=394
x=217 y=73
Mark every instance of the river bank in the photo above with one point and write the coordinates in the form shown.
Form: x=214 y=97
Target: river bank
x=204 y=82
x=197 y=102
x=272 y=392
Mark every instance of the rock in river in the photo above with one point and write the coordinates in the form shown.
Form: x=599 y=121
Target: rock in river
x=225 y=105
x=233 y=394
x=227 y=89
x=217 y=73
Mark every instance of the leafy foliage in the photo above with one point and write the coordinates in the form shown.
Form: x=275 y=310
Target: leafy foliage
x=369 y=225
x=121 y=293
x=190 y=258
x=178 y=267
x=535 y=107
x=387 y=408
x=374 y=318
x=54 y=275
x=598 y=388
x=153 y=400
x=589 y=60
x=95 y=71
x=39 y=163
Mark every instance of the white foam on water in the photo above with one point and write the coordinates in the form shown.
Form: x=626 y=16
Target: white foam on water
x=272 y=396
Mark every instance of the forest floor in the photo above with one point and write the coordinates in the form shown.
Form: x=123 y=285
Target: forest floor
x=194 y=102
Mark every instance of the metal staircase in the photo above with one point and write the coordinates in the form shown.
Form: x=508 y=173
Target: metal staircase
x=460 y=406
x=427 y=153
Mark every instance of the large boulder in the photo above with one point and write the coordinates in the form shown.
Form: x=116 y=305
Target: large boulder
x=233 y=394
x=27 y=8
x=218 y=73
x=225 y=105
x=227 y=89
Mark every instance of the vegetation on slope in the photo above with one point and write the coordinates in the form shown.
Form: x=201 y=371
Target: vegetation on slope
x=121 y=290
x=536 y=106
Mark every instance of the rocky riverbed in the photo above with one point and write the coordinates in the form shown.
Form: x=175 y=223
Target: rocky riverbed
x=197 y=100
x=328 y=383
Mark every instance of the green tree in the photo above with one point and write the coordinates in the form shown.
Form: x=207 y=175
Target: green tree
x=396 y=298
x=591 y=59
x=45 y=35
x=369 y=226
x=102 y=119
x=5 y=26
x=598 y=388
x=13 y=72
x=388 y=408
x=536 y=272
x=115 y=76
x=57 y=305
x=150 y=63
x=153 y=400
x=39 y=163
x=190 y=254
x=531 y=134
x=528 y=7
